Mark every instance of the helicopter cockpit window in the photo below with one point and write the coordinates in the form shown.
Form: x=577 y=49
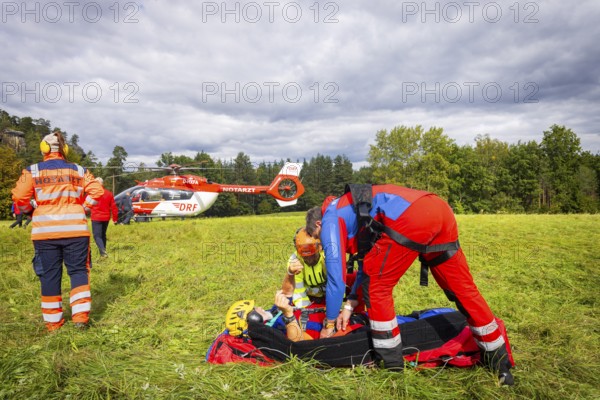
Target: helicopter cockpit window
x=137 y=194
x=185 y=194
x=152 y=195
x=174 y=194
x=170 y=194
x=146 y=194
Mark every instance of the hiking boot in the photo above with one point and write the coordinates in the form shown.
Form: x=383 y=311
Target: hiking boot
x=498 y=361
x=391 y=359
x=506 y=378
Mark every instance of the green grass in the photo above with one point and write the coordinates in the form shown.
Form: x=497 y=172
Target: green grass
x=160 y=299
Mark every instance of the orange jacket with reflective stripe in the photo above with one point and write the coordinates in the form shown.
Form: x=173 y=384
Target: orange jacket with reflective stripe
x=63 y=191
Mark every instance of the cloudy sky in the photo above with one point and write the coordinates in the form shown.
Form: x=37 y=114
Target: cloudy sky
x=285 y=79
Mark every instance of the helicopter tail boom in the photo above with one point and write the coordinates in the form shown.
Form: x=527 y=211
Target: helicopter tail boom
x=286 y=187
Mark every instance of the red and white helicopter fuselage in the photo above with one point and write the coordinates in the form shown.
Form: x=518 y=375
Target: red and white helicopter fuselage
x=189 y=195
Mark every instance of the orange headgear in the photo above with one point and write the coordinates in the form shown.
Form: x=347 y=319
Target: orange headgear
x=305 y=244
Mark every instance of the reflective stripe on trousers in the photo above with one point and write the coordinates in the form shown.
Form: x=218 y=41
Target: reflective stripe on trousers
x=52 y=312
x=81 y=303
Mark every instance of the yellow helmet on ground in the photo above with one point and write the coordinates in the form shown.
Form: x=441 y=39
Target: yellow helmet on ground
x=305 y=244
x=235 y=319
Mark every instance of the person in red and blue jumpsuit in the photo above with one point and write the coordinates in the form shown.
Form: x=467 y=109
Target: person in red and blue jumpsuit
x=422 y=218
x=64 y=193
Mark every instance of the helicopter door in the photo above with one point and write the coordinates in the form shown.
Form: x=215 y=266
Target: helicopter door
x=174 y=202
x=205 y=200
x=183 y=202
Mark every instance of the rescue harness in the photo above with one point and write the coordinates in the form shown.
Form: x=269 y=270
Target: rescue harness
x=370 y=230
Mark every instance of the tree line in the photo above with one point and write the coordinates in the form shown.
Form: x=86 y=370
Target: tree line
x=490 y=176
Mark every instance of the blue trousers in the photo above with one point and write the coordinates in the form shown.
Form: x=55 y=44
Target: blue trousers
x=99 y=230
x=18 y=220
x=127 y=217
x=49 y=257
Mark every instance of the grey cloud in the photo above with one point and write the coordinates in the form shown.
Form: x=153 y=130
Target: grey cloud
x=372 y=59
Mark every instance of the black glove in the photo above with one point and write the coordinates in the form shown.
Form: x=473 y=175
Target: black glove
x=497 y=360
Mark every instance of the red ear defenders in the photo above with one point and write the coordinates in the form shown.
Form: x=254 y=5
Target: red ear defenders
x=45 y=148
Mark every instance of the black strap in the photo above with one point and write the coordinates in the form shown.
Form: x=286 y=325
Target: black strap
x=362 y=199
x=350 y=263
x=434 y=262
x=418 y=247
x=310 y=310
x=424 y=277
x=361 y=193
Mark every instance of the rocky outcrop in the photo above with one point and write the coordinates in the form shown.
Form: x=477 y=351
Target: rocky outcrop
x=13 y=139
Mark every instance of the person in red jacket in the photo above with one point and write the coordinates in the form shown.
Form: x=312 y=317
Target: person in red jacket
x=64 y=192
x=101 y=216
x=18 y=216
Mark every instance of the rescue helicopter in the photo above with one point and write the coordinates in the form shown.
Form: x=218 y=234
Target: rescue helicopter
x=178 y=195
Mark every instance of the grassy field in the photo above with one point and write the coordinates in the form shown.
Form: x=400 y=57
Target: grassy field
x=160 y=299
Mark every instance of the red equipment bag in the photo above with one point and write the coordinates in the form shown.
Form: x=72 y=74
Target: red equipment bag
x=227 y=348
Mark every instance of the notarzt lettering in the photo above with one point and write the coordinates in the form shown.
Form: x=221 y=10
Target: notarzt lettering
x=239 y=190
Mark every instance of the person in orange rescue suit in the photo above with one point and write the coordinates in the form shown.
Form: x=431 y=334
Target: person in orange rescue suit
x=64 y=193
x=411 y=223
x=101 y=215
